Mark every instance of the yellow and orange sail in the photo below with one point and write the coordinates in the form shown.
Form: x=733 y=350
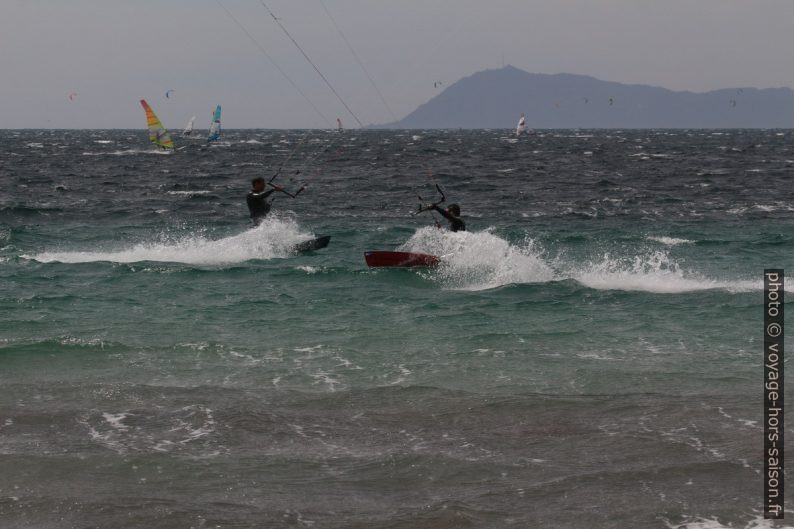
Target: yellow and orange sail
x=157 y=133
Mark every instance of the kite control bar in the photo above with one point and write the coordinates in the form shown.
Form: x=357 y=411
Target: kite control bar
x=434 y=204
x=291 y=195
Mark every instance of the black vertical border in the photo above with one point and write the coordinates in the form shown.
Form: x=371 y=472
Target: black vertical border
x=773 y=394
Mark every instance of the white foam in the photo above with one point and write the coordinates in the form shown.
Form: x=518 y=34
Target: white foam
x=670 y=241
x=116 y=420
x=478 y=261
x=189 y=193
x=653 y=272
x=311 y=349
x=482 y=260
x=324 y=377
x=128 y=152
x=757 y=522
x=272 y=239
x=190 y=426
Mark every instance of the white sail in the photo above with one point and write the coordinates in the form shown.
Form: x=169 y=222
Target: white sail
x=521 y=128
x=189 y=129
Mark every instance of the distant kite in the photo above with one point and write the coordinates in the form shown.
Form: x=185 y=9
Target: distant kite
x=168 y=94
x=437 y=84
x=611 y=101
x=72 y=95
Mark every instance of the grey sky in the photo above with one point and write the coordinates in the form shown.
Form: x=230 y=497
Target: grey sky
x=114 y=52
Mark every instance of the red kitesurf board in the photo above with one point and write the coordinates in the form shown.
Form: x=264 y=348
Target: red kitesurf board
x=379 y=259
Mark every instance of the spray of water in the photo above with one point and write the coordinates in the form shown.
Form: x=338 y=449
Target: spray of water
x=478 y=261
x=483 y=260
x=273 y=238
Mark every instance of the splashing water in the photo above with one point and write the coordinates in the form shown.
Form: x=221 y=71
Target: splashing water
x=273 y=238
x=481 y=260
x=654 y=272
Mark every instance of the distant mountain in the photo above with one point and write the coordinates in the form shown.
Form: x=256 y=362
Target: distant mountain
x=496 y=98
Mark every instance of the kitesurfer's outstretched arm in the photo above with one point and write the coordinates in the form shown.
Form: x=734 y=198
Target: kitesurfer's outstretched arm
x=256 y=199
x=452 y=214
x=264 y=194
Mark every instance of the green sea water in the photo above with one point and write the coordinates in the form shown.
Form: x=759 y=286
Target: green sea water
x=588 y=353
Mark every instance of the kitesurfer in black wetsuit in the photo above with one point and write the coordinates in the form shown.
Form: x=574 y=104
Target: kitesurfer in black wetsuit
x=257 y=199
x=452 y=214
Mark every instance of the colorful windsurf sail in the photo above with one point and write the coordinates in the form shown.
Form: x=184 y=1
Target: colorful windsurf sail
x=215 y=127
x=157 y=133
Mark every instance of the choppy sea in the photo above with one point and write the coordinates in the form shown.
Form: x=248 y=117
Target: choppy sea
x=588 y=354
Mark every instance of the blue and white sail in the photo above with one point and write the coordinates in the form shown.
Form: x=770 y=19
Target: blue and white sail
x=215 y=127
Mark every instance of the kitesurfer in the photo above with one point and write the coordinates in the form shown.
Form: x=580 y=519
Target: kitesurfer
x=452 y=214
x=256 y=199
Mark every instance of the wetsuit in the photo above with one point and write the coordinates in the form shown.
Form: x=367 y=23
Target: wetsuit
x=258 y=205
x=455 y=223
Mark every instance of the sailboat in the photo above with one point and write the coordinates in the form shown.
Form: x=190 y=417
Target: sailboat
x=215 y=127
x=157 y=133
x=521 y=128
x=189 y=128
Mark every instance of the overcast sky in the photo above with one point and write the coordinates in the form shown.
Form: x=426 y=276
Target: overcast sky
x=112 y=53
